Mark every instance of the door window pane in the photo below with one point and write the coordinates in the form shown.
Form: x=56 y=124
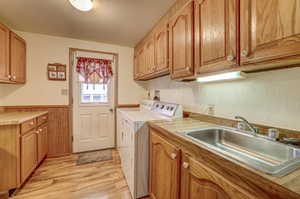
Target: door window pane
x=94 y=93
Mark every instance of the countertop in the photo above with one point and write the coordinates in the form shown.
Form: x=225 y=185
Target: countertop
x=15 y=118
x=291 y=182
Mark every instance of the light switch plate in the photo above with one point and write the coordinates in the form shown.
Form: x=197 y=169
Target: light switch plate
x=64 y=91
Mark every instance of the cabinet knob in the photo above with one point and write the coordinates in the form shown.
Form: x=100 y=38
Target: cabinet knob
x=173 y=156
x=40 y=130
x=230 y=58
x=12 y=77
x=31 y=123
x=9 y=77
x=244 y=53
x=185 y=165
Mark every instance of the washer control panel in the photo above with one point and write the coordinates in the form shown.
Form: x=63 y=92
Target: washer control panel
x=164 y=108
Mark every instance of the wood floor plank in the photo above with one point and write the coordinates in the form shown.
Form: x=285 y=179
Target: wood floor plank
x=61 y=178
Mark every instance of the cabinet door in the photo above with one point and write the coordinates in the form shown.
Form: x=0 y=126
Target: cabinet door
x=42 y=142
x=199 y=181
x=164 y=169
x=181 y=42
x=141 y=62
x=17 y=58
x=270 y=30
x=161 y=49
x=215 y=35
x=28 y=154
x=4 y=53
x=136 y=65
x=149 y=57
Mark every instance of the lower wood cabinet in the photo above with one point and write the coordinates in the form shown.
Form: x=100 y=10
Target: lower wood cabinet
x=164 y=169
x=28 y=154
x=198 y=180
x=42 y=142
x=175 y=174
x=22 y=148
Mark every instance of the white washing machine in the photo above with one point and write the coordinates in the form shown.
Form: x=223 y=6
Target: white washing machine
x=133 y=140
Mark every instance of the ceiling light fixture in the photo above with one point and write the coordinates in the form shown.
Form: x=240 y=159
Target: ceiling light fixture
x=222 y=77
x=83 y=5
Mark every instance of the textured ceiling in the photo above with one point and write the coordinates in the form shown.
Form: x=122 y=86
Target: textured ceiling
x=122 y=22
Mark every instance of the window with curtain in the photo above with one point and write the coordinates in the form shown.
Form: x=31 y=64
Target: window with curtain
x=94 y=76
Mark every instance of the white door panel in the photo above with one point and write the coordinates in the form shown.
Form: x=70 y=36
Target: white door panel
x=93 y=121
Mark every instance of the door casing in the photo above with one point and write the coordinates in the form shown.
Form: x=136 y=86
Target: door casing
x=71 y=67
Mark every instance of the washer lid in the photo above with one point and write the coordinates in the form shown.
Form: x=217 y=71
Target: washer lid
x=142 y=116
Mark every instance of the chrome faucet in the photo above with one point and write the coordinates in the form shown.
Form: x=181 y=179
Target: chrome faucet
x=253 y=130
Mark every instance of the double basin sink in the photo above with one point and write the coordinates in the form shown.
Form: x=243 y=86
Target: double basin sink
x=270 y=157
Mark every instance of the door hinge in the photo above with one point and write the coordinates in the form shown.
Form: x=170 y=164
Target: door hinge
x=72 y=138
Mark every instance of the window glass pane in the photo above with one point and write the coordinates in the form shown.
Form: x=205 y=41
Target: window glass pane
x=94 y=93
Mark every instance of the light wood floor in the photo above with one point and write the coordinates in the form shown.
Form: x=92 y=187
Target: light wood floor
x=60 y=178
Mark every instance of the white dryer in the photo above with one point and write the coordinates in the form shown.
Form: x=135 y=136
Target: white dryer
x=133 y=140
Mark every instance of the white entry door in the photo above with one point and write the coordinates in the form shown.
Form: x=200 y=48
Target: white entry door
x=93 y=115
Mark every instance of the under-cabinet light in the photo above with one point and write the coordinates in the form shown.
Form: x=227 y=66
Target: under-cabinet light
x=222 y=77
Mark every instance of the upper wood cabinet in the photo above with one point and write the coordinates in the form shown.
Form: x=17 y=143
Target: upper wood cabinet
x=216 y=35
x=161 y=48
x=4 y=53
x=17 y=58
x=12 y=57
x=181 y=42
x=141 y=63
x=270 y=30
x=199 y=180
x=164 y=169
x=135 y=66
x=149 y=56
x=209 y=36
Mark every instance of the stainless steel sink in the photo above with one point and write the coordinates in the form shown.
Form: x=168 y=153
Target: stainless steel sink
x=270 y=157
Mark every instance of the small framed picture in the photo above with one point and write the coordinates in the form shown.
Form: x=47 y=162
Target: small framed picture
x=52 y=67
x=57 y=72
x=52 y=75
x=61 y=75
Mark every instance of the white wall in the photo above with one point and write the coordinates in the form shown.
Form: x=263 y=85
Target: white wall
x=270 y=98
x=44 y=49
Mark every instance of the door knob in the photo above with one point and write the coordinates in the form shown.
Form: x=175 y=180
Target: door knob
x=111 y=110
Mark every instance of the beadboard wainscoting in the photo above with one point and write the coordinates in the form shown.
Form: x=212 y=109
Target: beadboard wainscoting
x=59 y=135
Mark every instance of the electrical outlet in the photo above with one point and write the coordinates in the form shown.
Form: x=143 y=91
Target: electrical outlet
x=211 y=109
x=64 y=91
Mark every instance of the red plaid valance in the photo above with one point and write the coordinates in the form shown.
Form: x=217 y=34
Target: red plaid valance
x=94 y=70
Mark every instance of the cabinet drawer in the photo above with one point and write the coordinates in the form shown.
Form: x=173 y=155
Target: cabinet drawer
x=42 y=119
x=28 y=125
